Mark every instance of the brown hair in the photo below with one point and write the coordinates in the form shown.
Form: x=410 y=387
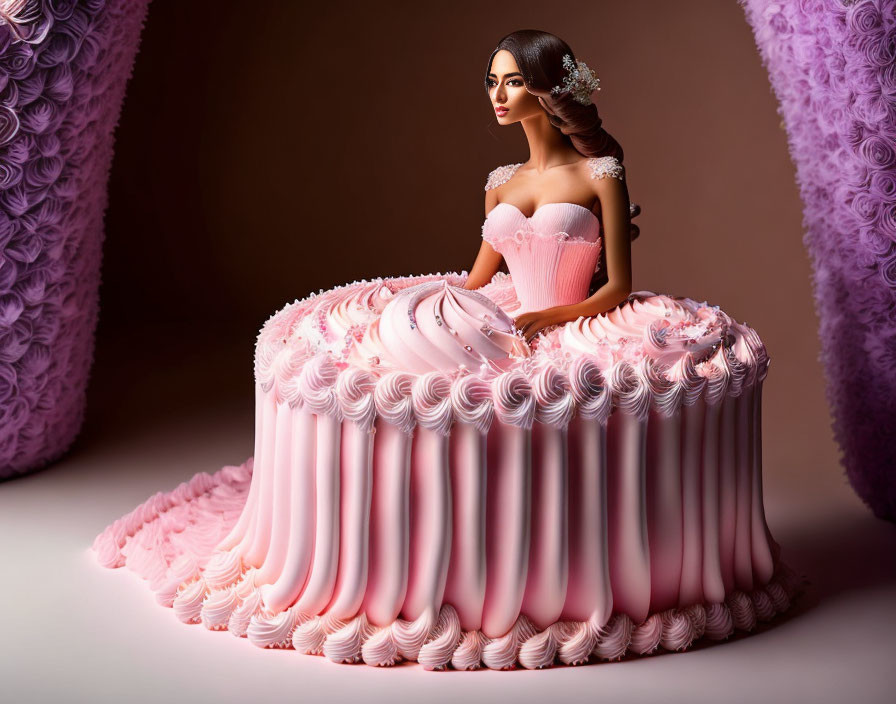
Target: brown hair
x=539 y=56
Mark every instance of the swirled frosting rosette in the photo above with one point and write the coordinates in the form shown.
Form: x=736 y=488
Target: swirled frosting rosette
x=330 y=322
x=657 y=327
x=436 y=326
x=672 y=344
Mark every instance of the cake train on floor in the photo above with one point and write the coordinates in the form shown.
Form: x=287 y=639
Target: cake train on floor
x=557 y=508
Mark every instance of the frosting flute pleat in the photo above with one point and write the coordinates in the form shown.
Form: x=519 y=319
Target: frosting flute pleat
x=276 y=556
x=291 y=580
x=255 y=543
x=465 y=586
x=508 y=526
x=589 y=592
x=389 y=518
x=762 y=541
x=326 y=539
x=548 y=569
x=692 y=426
x=248 y=514
x=743 y=543
x=626 y=496
x=356 y=477
x=664 y=508
x=430 y=524
x=727 y=490
x=713 y=586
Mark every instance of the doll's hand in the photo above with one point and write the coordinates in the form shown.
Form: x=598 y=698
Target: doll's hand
x=530 y=324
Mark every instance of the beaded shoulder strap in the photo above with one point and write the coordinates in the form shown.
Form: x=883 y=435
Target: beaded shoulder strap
x=603 y=166
x=501 y=175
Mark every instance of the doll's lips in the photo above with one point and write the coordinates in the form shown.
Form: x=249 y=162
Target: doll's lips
x=501 y=111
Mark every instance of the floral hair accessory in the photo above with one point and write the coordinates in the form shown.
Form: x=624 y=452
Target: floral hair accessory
x=580 y=82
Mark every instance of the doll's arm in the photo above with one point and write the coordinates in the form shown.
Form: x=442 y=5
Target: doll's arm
x=616 y=212
x=488 y=261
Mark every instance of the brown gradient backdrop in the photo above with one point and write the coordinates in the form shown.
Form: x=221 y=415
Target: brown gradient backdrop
x=266 y=152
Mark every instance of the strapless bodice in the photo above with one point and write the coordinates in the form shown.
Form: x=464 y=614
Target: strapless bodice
x=551 y=254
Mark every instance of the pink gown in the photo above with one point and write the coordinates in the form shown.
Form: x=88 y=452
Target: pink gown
x=427 y=486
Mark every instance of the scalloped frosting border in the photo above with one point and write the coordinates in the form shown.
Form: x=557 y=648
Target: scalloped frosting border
x=437 y=641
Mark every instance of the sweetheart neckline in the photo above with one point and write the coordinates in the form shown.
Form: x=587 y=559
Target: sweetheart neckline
x=543 y=205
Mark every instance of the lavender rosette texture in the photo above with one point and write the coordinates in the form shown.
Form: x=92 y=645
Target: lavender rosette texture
x=832 y=64
x=64 y=65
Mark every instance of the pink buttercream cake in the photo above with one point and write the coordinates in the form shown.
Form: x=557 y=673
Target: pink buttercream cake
x=427 y=486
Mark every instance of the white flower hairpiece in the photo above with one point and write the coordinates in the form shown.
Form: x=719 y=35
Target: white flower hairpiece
x=580 y=81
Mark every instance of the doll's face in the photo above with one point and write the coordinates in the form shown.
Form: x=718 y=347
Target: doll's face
x=508 y=93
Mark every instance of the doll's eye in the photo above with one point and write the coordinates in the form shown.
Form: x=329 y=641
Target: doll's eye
x=512 y=82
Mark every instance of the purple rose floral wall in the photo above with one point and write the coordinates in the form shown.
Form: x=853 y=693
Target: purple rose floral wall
x=832 y=65
x=64 y=65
